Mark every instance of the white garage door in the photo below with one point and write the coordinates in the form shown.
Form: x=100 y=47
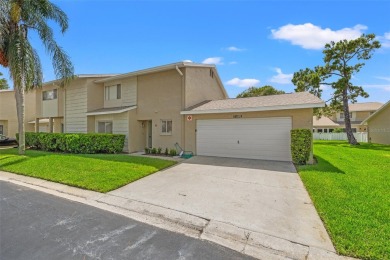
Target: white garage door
x=257 y=138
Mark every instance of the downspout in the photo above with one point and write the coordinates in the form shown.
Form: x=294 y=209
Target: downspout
x=64 y=120
x=183 y=102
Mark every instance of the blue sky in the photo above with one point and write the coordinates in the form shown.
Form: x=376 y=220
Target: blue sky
x=253 y=42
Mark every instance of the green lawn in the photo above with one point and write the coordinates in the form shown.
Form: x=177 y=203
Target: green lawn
x=350 y=187
x=98 y=172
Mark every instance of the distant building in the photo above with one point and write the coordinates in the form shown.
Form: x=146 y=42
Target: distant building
x=358 y=113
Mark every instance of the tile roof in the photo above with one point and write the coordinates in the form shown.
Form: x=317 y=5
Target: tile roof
x=274 y=102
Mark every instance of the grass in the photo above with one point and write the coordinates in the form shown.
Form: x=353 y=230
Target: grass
x=97 y=172
x=350 y=188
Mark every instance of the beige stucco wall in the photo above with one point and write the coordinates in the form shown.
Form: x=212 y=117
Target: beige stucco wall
x=159 y=96
x=379 y=127
x=301 y=118
x=201 y=86
x=8 y=112
x=137 y=132
x=95 y=94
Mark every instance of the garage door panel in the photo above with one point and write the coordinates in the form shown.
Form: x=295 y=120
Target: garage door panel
x=260 y=138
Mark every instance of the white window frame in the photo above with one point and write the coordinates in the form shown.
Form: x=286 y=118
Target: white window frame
x=49 y=94
x=116 y=96
x=164 y=127
x=106 y=123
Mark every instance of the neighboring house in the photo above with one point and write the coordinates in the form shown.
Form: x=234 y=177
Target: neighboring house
x=358 y=112
x=55 y=105
x=379 y=125
x=8 y=116
x=184 y=103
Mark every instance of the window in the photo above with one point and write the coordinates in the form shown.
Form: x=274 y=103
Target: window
x=50 y=94
x=342 y=115
x=105 y=127
x=166 y=127
x=1 y=130
x=113 y=92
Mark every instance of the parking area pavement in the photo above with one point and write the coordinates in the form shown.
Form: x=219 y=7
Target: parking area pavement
x=267 y=197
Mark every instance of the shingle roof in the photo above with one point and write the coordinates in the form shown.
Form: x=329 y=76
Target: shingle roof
x=274 y=102
x=377 y=112
x=323 y=121
x=367 y=106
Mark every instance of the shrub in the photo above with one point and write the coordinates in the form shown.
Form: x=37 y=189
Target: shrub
x=76 y=143
x=172 y=152
x=166 y=152
x=147 y=150
x=159 y=150
x=338 y=130
x=301 y=140
x=154 y=150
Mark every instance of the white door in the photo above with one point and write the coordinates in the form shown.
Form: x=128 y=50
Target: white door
x=257 y=138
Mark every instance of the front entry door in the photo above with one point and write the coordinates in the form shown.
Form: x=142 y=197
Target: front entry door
x=150 y=133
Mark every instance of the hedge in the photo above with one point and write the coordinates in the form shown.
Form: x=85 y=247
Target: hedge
x=301 y=140
x=76 y=143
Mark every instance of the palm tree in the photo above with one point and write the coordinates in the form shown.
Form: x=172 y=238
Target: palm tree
x=3 y=82
x=17 y=19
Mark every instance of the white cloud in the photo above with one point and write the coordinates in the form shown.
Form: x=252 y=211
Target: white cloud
x=281 y=78
x=233 y=62
x=243 y=83
x=384 y=78
x=213 y=60
x=233 y=48
x=385 y=40
x=310 y=36
x=381 y=87
x=187 y=60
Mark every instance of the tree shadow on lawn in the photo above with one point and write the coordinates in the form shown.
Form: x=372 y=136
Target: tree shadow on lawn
x=16 y=160
x=322 y=165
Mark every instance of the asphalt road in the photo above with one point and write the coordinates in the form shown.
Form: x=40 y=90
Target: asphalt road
x=35 y=225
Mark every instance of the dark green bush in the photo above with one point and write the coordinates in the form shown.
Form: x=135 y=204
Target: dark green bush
x=166 y=151
x=159 y=150
x=147 y=150
x=76 y=143
x=154 y=151
x=301 y=140
x=172 y=152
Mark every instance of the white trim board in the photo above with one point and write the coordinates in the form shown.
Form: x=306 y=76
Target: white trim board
x=110 y=112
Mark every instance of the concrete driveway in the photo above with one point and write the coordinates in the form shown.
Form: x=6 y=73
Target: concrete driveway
x=262 y=196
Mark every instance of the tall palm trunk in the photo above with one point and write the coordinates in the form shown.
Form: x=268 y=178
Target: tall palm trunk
x=20 y=109
x=347 y=120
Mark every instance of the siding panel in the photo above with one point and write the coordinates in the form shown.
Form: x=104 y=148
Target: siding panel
x=75 y=109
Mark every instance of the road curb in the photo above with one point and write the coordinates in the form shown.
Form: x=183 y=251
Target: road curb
x=255 y=244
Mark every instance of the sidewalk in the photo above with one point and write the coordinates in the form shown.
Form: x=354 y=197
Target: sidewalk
x=251 y=243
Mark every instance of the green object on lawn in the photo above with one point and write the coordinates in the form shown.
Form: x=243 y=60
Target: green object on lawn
x=182 y=153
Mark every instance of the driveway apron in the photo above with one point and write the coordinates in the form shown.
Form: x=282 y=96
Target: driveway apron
x=261 y=196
